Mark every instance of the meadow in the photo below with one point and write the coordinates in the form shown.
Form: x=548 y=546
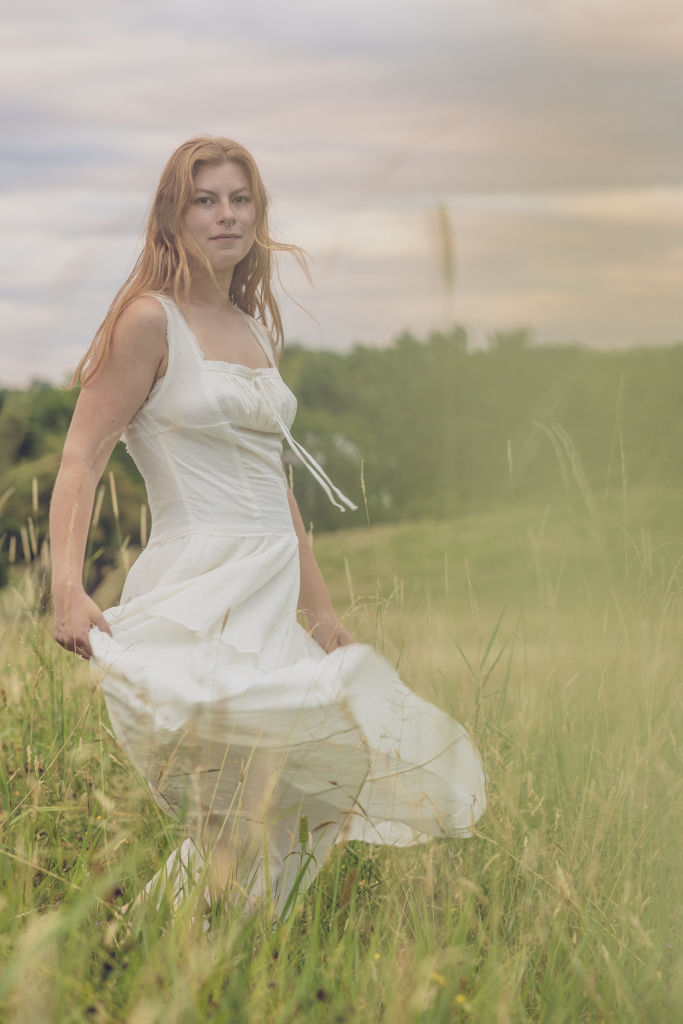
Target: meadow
x=553 y=629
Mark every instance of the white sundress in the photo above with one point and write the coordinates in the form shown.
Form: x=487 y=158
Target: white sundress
x=235 y=716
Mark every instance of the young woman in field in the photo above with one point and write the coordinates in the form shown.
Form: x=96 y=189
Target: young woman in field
x=241 y=721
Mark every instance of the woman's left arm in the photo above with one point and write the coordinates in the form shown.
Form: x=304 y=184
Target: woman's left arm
x=314 y=597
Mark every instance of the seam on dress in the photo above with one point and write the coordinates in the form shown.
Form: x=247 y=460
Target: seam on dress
x=221 y=366
x=217 y=533
x=238 y=458
x=173 y=473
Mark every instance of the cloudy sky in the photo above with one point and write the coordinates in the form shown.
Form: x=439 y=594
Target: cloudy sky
x=551 y=130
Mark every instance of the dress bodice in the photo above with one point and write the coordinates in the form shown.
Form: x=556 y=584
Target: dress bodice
x=196 y=390
x=208 y=441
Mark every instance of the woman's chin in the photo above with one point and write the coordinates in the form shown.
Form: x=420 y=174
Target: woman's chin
x=221 y=262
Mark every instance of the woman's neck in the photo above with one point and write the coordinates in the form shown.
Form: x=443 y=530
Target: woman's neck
x=214 y=293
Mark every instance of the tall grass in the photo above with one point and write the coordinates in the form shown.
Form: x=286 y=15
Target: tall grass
x=555 y=634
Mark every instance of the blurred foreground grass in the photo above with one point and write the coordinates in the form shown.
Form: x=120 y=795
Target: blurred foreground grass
x=556 y=634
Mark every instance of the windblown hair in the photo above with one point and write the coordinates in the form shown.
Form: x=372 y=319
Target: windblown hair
x=164 y=265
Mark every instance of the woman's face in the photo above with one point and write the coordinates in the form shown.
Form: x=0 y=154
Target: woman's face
x=222 y=217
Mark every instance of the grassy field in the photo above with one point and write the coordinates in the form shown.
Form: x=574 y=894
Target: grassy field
x=556 y=634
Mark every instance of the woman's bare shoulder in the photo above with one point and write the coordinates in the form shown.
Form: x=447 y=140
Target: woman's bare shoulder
x=139 y=337
x=141 y=324
x=145 y=313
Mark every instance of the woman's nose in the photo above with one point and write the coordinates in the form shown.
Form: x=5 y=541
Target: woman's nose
x=226 y=213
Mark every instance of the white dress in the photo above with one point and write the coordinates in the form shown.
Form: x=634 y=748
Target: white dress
x=236 y=717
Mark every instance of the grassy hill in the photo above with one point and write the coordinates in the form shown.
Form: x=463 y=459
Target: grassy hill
x=554 y=634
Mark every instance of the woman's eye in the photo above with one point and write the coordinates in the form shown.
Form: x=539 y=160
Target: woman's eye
x=241 y=199
x=203 y=200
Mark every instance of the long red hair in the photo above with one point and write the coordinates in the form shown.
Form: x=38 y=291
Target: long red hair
x=164 y=263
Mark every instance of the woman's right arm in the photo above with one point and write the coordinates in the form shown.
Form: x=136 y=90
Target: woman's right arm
x=105 y=407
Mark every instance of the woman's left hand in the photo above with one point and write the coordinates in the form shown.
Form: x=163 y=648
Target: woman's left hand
x=328 y=630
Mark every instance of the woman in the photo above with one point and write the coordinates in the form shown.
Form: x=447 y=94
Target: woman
x=253 y=728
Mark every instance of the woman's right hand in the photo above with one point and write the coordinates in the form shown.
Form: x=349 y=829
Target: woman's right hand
x=75 y=616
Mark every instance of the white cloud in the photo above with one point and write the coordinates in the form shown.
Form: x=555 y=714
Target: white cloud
x=648 y=29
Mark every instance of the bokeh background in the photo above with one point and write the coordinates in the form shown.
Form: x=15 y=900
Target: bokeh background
x=546 y=131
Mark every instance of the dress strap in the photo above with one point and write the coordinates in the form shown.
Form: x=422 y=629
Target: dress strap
x=313 y=467
x=261 y=335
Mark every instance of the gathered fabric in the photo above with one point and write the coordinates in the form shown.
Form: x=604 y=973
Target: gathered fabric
x=239 y=721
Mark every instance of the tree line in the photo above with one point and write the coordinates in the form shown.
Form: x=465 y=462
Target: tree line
x=421 y=428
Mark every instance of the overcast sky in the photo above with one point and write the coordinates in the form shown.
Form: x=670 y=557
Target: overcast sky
x=550 y=129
